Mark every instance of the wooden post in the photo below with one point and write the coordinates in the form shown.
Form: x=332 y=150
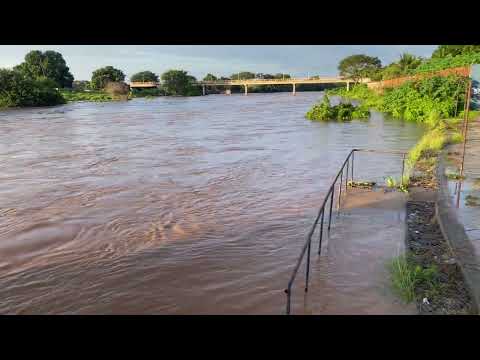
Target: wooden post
x=246 y=89
x=293 y=89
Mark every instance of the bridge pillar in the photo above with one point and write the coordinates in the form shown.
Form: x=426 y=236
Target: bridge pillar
x=294 y=90
x=204 y=90
x=246 y=89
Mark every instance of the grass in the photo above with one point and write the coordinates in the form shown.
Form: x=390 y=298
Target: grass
x=390 y=181
x=406 y=277
x=431 y=143
x=455 y=176
x=93 y=96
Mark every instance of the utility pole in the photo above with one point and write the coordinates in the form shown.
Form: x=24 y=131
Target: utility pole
x=464 y=133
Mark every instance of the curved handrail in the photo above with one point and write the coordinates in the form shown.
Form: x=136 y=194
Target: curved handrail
x=321 y=213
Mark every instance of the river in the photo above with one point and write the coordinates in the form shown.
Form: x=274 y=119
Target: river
x=169 y=205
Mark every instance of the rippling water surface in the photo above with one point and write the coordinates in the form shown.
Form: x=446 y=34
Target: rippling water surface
x=170 y=205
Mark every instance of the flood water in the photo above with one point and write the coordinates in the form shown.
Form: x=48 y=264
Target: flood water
x=171 y=205
x=468 y=210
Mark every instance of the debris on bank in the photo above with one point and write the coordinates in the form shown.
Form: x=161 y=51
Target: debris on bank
x=361 y=184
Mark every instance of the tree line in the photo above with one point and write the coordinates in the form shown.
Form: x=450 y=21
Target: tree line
x=361 y=66
x=35 y=82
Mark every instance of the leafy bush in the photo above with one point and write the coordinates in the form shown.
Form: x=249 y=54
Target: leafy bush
x=341 y=112
x=102 y=76
x=440 y=63
x=426 y=101
x=94 y=96
x=18 y=90
x=144 y=76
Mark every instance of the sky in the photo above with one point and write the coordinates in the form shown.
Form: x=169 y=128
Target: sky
x=220 y=60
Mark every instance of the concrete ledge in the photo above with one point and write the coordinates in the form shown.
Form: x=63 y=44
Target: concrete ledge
x=454 y=232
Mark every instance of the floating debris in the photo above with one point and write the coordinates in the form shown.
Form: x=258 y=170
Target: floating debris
x=361 y=184
x=472 y=200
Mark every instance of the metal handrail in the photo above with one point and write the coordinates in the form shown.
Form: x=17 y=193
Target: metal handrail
x=321 y=213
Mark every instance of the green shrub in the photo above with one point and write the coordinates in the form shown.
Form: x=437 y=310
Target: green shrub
x=424 y=101
x=94 y=96
x=18 y=90
x=341 y=112
x=440 y=63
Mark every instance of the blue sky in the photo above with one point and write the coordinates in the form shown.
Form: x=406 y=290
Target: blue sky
x=220 y=60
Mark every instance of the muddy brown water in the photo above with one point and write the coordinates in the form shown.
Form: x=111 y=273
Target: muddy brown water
x=171 y=205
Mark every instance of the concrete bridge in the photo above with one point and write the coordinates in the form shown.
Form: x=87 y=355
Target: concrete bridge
x=246 y=82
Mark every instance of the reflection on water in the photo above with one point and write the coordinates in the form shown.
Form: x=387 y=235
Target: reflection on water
x=171 y=205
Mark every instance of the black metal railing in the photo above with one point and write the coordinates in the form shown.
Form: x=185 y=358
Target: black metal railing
x=321 y=215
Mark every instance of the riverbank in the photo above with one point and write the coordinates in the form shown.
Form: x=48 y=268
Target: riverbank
x=430 y=273
x=439 y=286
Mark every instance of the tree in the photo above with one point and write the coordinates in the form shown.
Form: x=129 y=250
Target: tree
x=49 y=64
x=102 y=76
x=408 y=62
x=453 y=50
x=404 y=66
x=144 y=76
x=19 y=90
x=243 y=75
x=210 y=77
x=359 y=66
x=392 y=71
x=81 y=85
x=179 y=83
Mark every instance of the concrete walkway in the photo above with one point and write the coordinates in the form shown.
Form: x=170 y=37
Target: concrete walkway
x=351 y=276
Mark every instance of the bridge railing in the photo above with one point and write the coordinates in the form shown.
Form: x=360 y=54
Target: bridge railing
x=320 y=219
x=288 y=80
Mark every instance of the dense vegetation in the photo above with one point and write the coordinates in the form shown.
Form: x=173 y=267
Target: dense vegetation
x=18 y=90
x=341 y=112
x=144 y=76
x=179 y=83
x=425 y=101
x=359 y=66
x=444 y=57
x=49 y=64
x=440 y=63
x=101 y=77
x=94 y=96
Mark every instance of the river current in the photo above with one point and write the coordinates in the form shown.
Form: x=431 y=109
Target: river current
x=169 y=205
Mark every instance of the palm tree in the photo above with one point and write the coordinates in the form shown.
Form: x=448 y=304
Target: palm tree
x=408 y=62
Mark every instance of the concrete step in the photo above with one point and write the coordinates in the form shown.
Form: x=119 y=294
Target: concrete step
x=351 y=275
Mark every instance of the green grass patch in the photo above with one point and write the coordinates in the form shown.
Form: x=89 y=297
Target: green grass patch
x=94 y=96
x=454 y=176
x=406 y=277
